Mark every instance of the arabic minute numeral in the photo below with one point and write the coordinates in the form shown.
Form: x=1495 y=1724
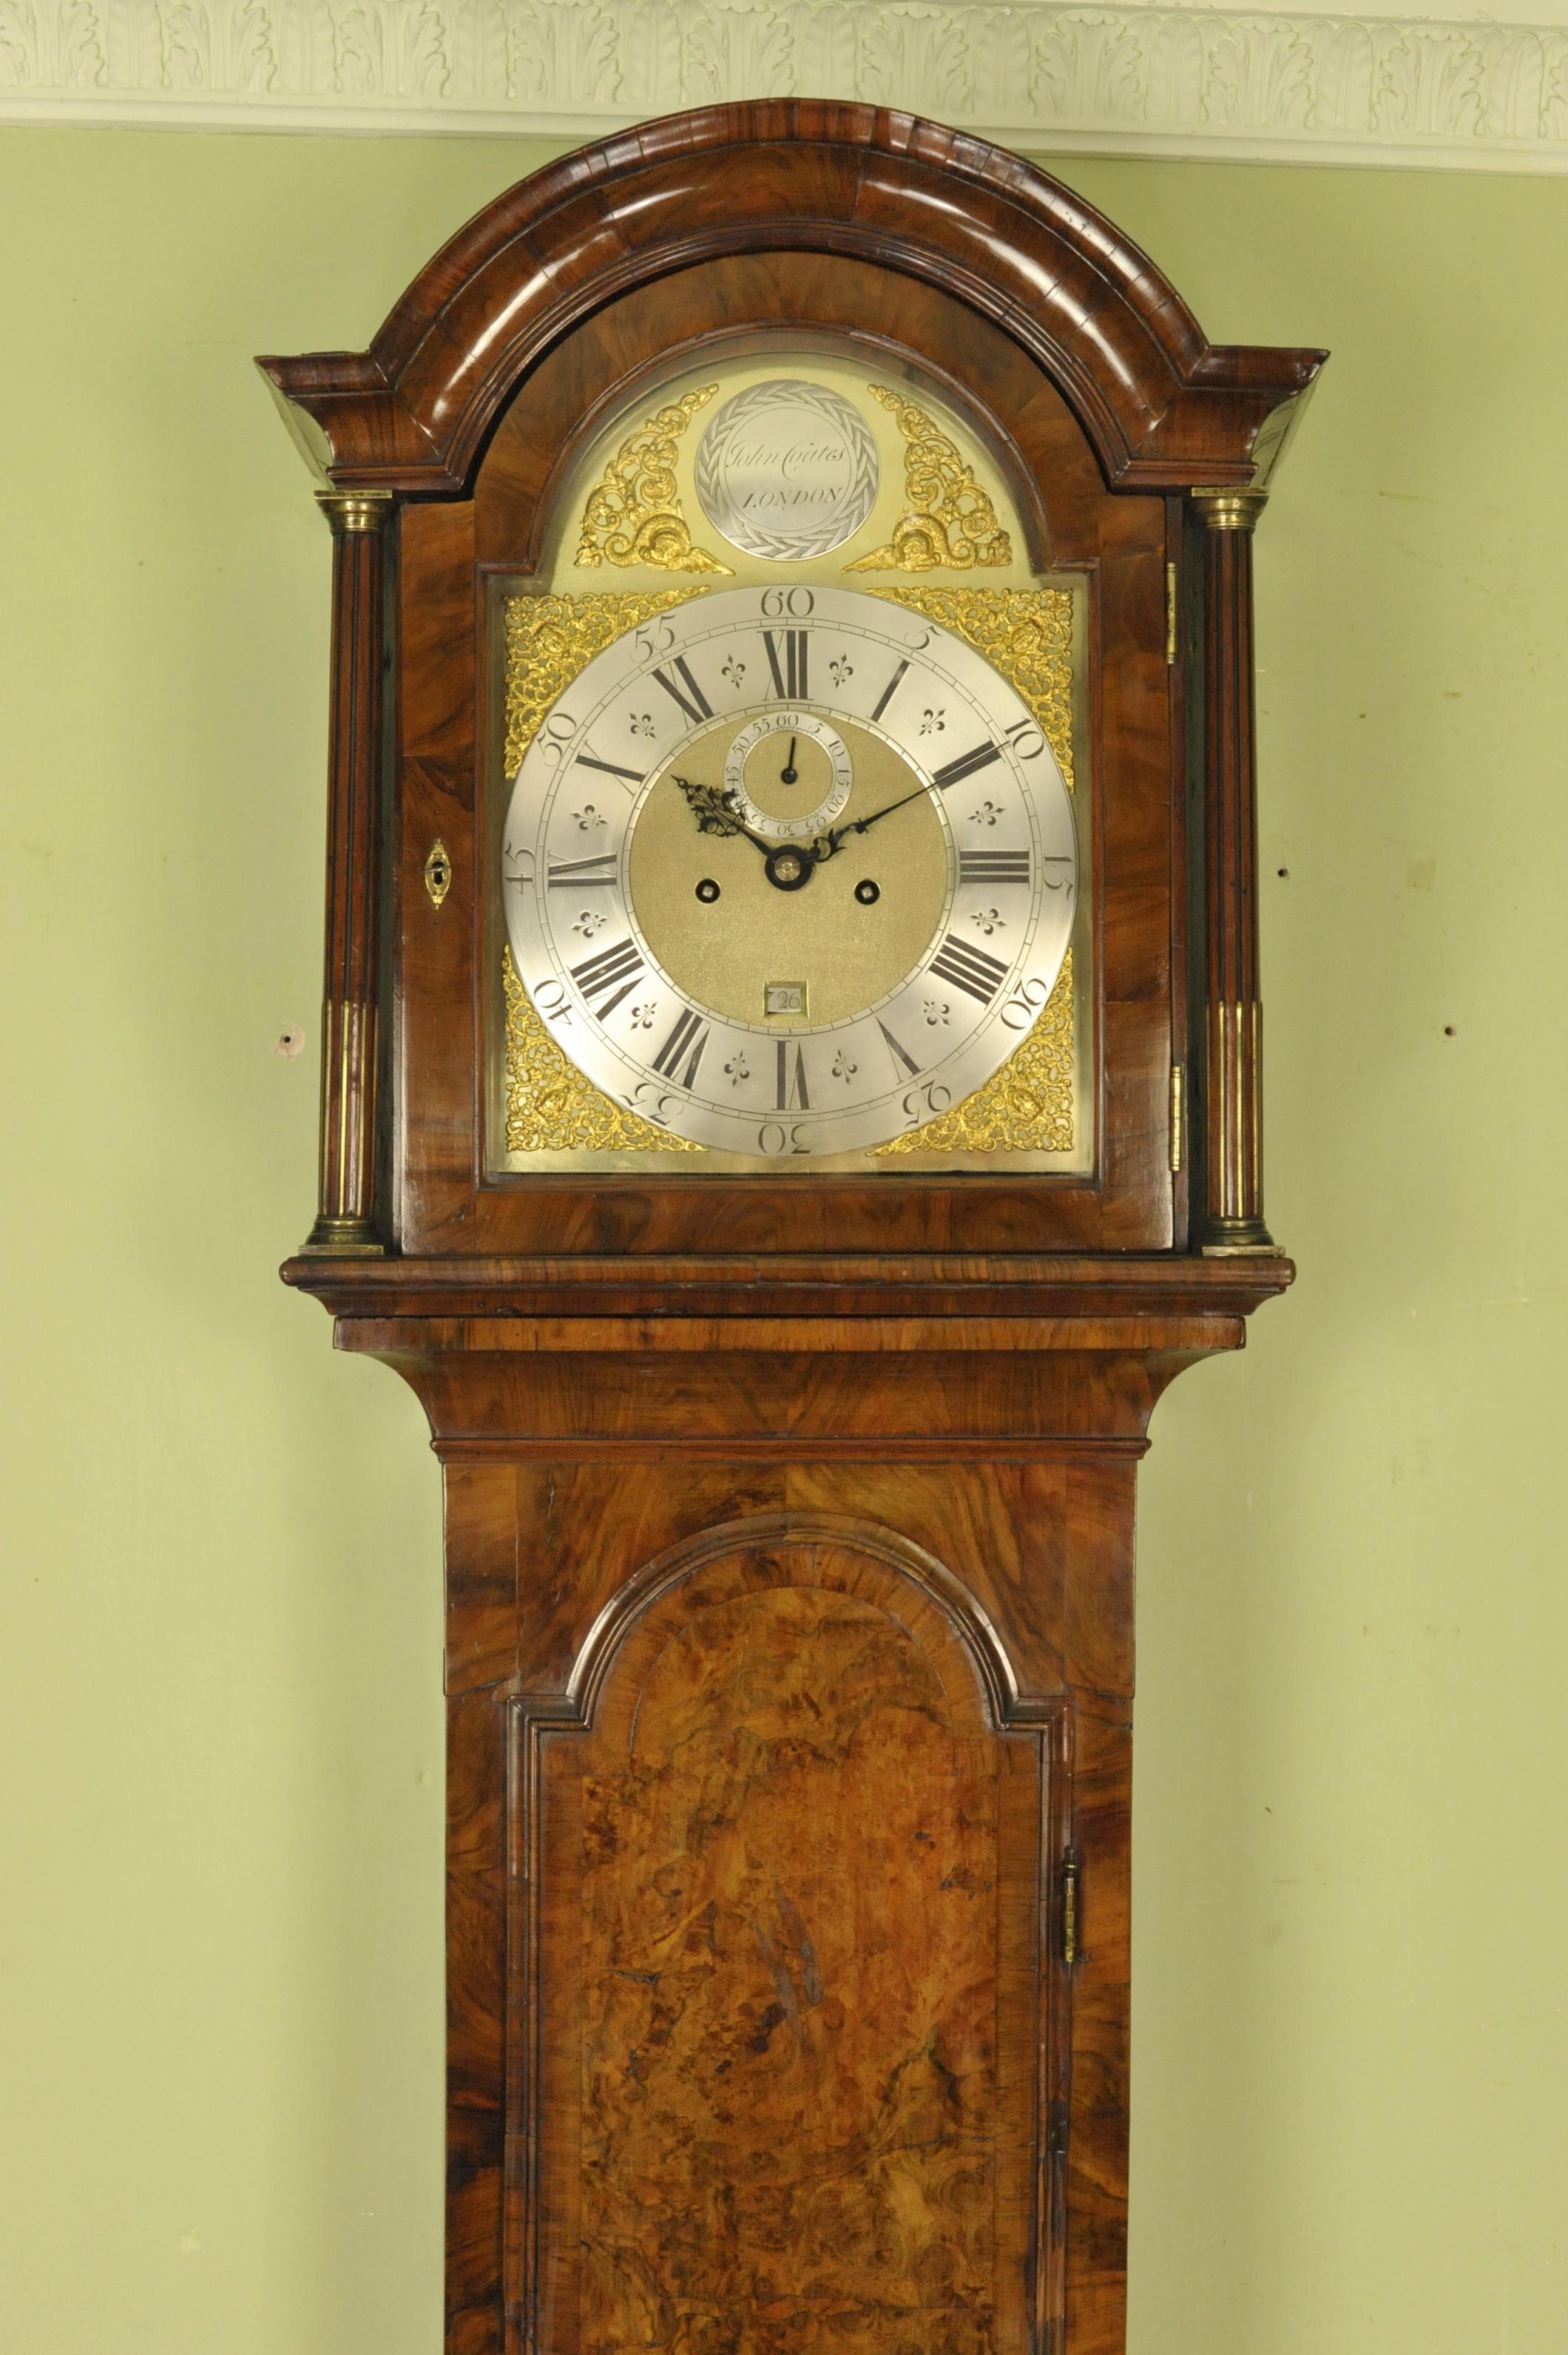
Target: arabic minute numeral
x=926 y=1103
x=788 y=604
x=654 y=637
x=551 y=1000
x=975 y=971
x=782 y=1136
x=555 y=734
x=648 y=1099
x=1019 y=1010
x=1025 y=739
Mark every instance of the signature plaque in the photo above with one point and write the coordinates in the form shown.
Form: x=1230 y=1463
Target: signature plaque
x=787 y=469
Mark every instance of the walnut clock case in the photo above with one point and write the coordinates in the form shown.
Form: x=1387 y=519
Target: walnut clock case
x=789 y=1104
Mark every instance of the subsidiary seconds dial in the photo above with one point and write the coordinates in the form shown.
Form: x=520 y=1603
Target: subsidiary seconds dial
x=806 y=757
x=789 y=872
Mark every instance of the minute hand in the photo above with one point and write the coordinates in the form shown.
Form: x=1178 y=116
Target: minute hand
x=827 y=844
x=950 y=773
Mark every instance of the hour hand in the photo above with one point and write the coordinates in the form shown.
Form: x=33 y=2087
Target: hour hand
x=715 y=810
x=714 y=805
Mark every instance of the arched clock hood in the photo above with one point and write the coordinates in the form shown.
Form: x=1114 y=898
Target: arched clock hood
x=1163 y=407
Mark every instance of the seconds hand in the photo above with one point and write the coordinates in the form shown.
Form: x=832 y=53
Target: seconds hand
x=789 y=774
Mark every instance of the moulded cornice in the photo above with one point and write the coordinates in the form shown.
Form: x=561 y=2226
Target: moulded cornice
x=1164 y=408
x=1268 y=84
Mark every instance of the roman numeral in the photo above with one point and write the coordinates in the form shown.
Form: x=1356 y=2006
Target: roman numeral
x=789 y=676
x=971 y=970
x=899 y=1054
x=566 y=874
x=688 y=1038
x=993 y=867
x=954 y=772
x=889 y=691
x=690 y=697
x=609 y=768
x=610 y=974
x=792 y=1084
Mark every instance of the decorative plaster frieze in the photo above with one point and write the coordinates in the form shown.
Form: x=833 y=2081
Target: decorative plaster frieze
x=1041 y=74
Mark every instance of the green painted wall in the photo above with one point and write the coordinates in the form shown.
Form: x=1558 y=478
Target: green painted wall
x=220 y=1727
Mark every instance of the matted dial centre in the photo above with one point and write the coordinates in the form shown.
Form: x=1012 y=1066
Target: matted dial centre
x=722 y=953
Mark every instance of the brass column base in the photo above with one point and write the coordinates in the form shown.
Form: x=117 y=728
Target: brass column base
x=1234 y=1238
x=344 y=1238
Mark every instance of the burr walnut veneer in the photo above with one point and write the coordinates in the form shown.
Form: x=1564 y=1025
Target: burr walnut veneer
x=789 y=1517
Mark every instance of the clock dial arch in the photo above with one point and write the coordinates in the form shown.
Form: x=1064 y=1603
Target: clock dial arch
x=822 y=1029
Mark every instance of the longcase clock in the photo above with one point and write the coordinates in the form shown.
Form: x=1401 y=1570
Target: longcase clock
x=790 y=1101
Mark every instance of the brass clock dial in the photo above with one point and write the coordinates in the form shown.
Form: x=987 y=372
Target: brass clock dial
x=789 y=872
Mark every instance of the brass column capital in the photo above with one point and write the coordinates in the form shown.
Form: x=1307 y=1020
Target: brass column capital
x=348 y=511
x=1230 y=510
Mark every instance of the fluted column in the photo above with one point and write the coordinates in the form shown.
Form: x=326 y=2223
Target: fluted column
x=1234 y=1209
x=346 y=1213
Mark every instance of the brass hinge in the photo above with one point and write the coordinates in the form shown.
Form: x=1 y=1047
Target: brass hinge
x=1178 y=1116
x=1170 y=637
x=1070 y=1909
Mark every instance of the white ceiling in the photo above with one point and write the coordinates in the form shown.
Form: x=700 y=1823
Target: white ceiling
x=1272 y=82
